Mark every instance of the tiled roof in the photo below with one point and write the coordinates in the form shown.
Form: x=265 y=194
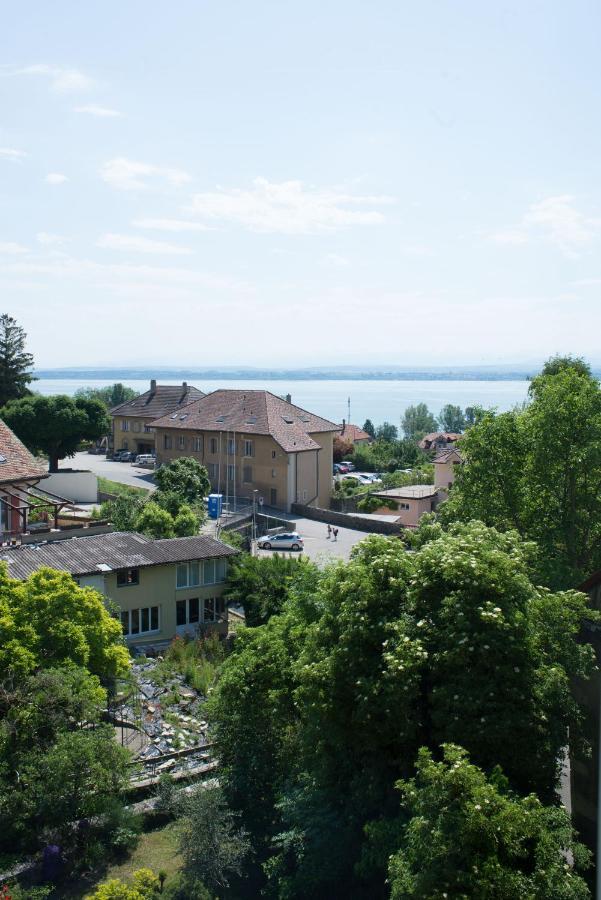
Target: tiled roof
x=16 y=462
x=158 y=401
x=448 y=436
x=353 y=433
x=443 y=456
x=117 y=550
x=251 y=412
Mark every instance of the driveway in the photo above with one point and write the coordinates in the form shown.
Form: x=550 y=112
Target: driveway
x=318 y=547
x=122 y=472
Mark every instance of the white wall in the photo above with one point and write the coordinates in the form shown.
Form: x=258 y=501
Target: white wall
x=80 y=487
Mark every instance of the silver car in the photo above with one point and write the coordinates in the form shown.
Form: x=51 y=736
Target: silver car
x=291 y=540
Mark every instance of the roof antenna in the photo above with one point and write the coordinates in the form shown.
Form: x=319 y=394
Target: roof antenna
x=349 y=410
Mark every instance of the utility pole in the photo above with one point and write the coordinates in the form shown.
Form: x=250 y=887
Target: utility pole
x=349 y=410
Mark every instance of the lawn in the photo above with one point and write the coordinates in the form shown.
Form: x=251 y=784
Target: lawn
x=121 y=490
x=156 y=850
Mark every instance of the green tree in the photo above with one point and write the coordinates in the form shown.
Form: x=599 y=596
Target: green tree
x=145 y=885
x=473 y=414
x=186 y=523
x=467 y=836
x=112 y=395
x=15 y=362
x=368 y=427
x=123 y=511
x=212 y=843
x=155 y=522
x=452 y=419
x=55 y=425
x=261 y=585
x=538 y=470
x=418 y=420
x=184 y=476
x=342 y=449
x=48 y=620
x=387 y=432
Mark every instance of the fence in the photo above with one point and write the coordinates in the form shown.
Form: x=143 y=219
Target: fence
x=347 y=520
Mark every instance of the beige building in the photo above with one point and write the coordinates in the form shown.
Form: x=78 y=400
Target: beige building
x=161 y=588
x=411 y=502
x=131 y=420
x=253 y=444
x=445 y=467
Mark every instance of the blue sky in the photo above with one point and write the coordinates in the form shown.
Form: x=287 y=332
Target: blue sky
x=278 y=183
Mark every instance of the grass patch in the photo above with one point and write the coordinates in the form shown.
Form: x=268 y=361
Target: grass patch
x=120 y=490
x=156 y=850
x=198 y=661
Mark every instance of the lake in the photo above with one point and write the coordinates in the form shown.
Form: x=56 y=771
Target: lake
x=370 y=399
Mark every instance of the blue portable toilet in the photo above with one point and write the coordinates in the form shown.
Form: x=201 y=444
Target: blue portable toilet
x=215 y=505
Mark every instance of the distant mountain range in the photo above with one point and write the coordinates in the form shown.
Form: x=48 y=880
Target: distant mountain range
x=330 y=373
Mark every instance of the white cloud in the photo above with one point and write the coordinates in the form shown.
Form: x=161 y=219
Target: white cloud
x=170 y=225
x=48 y=239
x=336 y=260
x=130 y=175
x=555 y=220
x=11 y=248
x=101 y=112
x=289 y=207
x=55 y=178
x=131 y=243
x=63 y=80
x=11 y=154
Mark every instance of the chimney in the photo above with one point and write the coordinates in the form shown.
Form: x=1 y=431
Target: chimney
x=288 y=398
x=153 y=385
x=343 y=426
x=185 y=385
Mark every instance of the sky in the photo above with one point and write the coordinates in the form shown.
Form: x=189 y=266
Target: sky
x=296 y=184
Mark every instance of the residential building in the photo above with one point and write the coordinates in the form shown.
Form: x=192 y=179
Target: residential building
x=411 y=502
x=161 y=588
x=254 y=445
x=131 y=420
x=445 y=467
x=438 y=440
x=20 y=472
x=353 y=434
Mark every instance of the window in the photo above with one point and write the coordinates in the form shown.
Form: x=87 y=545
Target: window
x=128 y=577
x=135 y=426
x=182 y=442
x=273 y=497
x=213 y=445
x=231 y=447
x=187 y=575
x=167 y=442
x=198 y=445
x=208 y=571
x=249 y=449
x=187 y=612
x=135 y=621
x=247 y=474
x=403 y=506
x=273 y=454
x=231 y=472
x=147 y=429
x=124 y=425
x=212 y=608
x=212 y=471
x=274 y=473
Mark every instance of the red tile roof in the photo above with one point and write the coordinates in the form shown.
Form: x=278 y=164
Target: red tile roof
x=353 y=433
x=251 y=412
x=443 y=456
x=16 y=462
x=158 y=401
x=428 y=439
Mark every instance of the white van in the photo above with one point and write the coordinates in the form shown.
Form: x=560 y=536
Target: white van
x=146 y=460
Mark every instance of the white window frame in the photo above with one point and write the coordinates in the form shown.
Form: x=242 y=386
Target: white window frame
x=124 y=425
x=181 y=443
x=249 y=448
x=193 y=574
x=139 y=610
x=198 y=445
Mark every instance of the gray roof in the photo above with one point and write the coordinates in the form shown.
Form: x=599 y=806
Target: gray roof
x=117 y=550
x=409 y=492
x=160 y=400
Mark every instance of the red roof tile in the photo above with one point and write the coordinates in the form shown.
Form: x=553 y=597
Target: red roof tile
x=250 y=412
x=353 y=433
x=16 y=462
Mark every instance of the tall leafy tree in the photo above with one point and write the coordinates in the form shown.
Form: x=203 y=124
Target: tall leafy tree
x=452 y=419
x=418 y=420
x=15 y=362
x=112 y=395
x=387 y=432
x=56 y=425
x=368 y=428
x=538 y=469
x=468 y=836
x=261 y=585
x=186 y=477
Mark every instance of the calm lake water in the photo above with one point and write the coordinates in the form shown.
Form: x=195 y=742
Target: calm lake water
x=377 y=400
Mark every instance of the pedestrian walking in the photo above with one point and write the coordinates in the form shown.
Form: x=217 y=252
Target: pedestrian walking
x=329 y=531
x=335 y=534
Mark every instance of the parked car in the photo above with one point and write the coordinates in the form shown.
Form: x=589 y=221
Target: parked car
x=341 y=468
x=147 y=460
x=369 y=477
x=356 y=476
x=350 y=467
x=290 y=540
x=125 y=456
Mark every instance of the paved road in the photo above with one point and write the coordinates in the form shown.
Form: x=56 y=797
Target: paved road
x=123 y=472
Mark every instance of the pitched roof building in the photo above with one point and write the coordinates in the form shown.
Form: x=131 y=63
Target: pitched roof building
x=131 y=420
x=353 y=433
x=253 y=441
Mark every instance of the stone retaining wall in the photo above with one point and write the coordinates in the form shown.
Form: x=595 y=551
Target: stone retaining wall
x=347 y=520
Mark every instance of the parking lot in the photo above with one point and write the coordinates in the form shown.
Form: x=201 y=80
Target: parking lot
x=318 y=547
x=122 y=472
